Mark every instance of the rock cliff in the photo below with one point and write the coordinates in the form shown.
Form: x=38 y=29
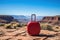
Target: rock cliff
x=5 y=18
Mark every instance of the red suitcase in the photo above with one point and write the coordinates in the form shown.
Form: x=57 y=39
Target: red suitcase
x=33 y=27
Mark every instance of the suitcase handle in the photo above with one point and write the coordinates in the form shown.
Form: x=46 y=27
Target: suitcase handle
x=33 y=17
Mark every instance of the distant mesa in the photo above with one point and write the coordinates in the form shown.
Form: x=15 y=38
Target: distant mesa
x=51 y=19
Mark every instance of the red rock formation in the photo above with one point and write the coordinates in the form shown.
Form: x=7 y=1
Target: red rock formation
x=51 y=19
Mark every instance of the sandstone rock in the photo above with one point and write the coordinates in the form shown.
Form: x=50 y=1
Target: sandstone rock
x=21 y=34
x=1 y=33
x=47 y=32
x=53 y=38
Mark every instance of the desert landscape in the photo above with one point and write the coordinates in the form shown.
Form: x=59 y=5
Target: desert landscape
x=14 y=30
x=29 y=19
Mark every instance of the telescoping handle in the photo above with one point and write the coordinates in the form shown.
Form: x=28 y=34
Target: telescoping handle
x=33 y=17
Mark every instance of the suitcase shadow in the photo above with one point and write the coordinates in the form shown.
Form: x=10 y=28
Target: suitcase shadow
x=44 y=35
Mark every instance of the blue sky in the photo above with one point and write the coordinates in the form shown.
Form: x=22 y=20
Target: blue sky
x=28 y=7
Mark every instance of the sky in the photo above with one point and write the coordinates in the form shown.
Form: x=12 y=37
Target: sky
x=28 y=7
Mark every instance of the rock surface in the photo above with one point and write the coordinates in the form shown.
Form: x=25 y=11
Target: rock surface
x=21 y=34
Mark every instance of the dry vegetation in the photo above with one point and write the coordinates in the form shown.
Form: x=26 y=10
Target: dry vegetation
x=46 y=26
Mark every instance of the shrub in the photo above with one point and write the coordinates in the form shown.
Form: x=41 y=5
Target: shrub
x=44 y=27
x=19 y=25
x=8 y=27
x=49 y=27
x=1 y=24
x=24 y=24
